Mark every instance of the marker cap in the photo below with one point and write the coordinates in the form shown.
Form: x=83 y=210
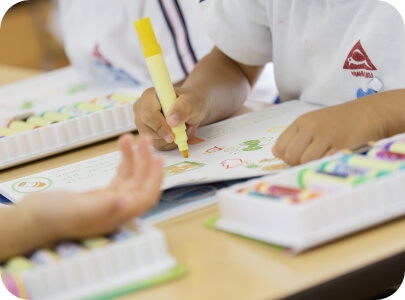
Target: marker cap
x=150 y=46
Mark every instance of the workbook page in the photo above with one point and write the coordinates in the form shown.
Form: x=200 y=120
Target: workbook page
x=232 y=149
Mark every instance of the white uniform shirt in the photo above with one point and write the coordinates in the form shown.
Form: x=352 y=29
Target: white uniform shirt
x=100 y=38
x=324 y=51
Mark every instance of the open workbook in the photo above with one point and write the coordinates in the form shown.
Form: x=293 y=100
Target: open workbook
x=229 y=150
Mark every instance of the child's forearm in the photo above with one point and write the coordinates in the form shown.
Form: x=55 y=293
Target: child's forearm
x=391 y=104
x=385 y=109
x=20 y=232
x=224 y=83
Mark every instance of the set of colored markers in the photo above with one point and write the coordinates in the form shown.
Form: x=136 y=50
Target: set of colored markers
x=35 y=136
x=322 y=200
x=90 y=267
x=32 y=121
x=351 y=169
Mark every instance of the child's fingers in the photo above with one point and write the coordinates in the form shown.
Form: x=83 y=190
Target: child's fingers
x=285 y=138
x=150 y=191
x=317 y=149
x=180 y=112
x=162 y=145
x=127 y=164
x=274 y=152
x=297 y=147
x=191 y=130
x=186 y=110
x=152 y=187
x=164 y=133
x=189 y=108
x=144 y=156
x=331 y=151
x=156 y=174
x=155 y=178
x=149 y=116
x=159 y=142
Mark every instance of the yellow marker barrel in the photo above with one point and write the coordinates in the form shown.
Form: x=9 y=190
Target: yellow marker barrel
x=160 y=76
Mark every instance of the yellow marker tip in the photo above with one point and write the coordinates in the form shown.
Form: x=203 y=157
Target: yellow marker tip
x=185 y=153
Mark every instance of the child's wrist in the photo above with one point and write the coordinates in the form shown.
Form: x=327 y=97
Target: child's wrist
x=41 y=226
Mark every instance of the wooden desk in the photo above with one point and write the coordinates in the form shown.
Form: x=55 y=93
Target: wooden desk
x=10 y=74
x=224 y=266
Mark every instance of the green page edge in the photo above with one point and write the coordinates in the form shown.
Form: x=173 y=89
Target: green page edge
x=172 y=274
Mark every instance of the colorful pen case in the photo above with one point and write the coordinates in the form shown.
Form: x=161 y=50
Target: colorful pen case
x=104 y=270
x=340 y=203
x=64 y=134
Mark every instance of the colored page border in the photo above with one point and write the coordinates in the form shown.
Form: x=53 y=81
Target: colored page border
x=174 y=273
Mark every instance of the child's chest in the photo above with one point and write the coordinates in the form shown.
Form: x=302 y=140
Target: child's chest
x=337 y=53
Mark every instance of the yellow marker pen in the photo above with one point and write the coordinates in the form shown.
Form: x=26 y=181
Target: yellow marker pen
x=8 y=132
x=55 y=116
x=36 y=120
x=122 y=98
x=21 y=126
x=88 y=107
x=160 y=76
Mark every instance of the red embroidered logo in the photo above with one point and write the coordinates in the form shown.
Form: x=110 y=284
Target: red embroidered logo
x=358 y=60
x=97 y=54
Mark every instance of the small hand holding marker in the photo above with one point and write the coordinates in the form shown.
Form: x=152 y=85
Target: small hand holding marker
x=160 y=76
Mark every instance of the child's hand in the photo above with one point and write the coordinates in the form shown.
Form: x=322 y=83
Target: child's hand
x=134 y=190
x=189 y=108
x=325 y=131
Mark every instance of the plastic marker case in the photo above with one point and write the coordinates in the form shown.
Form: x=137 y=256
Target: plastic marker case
x=127 y=263
x=299 y=225
x=90 y=127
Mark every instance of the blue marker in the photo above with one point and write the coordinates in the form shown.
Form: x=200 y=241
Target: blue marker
x=71 y=111
x=68 y=249
x=343 y=169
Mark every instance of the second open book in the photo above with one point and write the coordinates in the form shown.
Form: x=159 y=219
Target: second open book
x=232 y=149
